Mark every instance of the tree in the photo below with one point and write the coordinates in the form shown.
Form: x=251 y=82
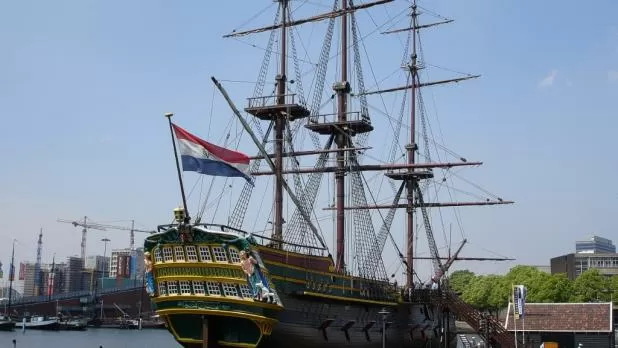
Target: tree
x=458 y=281
x=488 y=293
x=555 y=288
x=591 y=286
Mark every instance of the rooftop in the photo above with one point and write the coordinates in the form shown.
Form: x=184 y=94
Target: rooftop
x=563 y=317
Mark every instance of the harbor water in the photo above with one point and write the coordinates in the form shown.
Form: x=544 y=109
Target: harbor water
x=95 y=338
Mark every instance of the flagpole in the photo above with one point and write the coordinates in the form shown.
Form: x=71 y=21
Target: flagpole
x=514 y=309
x=182 y=187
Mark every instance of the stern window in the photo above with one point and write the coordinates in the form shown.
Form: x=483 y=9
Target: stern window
x=158 y=256
x=198 y=288
x=234 y=257
x=185 y=287
x=167 y=254
x=180 y=253
x=191 y=253
x=220 y=255
x=229 y=290
x=205 y=254
x=213 y=288
x=172 y=288
x=162 y=289
x=245 y=291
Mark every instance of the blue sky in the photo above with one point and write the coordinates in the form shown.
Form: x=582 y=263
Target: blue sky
x=84 y=85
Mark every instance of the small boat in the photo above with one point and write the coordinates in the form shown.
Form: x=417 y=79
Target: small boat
x=125 y=322
x=153 y=322
x=73 y=324
x=36 y=322
x=6 y=323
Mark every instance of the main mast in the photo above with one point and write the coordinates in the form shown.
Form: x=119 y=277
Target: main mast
x=411 y=148
x=342 y=89
x=340 y=127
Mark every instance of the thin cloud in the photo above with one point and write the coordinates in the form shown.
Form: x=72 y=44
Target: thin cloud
x=548 y=80
x=612 y=76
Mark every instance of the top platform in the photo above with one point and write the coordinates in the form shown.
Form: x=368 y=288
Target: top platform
x=269 y=107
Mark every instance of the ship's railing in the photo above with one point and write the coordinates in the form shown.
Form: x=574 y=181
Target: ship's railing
x=264 y=101
x=309 y=249
x=262 y=240
x=214 y=227
x=329 y=118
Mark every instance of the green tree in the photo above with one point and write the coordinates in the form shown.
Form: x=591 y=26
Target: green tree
x=591 y=286
x=488 y=293
x=541 y=286
x=555 y=288
x=458 y=281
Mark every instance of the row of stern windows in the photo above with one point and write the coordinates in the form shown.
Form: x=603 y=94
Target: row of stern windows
x=193 y=253
x=201 y=288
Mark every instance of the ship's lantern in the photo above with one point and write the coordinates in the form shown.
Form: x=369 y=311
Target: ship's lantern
x=179 y=214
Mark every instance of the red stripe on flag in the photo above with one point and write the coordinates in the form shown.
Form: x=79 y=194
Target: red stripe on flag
x=224 y=154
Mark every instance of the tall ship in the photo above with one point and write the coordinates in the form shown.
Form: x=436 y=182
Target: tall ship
x=300 y=282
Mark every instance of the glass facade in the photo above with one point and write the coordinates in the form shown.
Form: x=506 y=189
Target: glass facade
x=596 y=245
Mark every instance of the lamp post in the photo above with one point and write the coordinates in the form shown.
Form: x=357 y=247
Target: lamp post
x=384 y=313
x=105 y=241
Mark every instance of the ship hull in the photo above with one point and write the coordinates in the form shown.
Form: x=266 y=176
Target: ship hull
x=301 y=326
x=51 y=325
x=7 y=325
x=307 y=323
x=408 y=325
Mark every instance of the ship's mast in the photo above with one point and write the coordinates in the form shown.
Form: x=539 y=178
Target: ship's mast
x=411 y=148
x=279 y=128
x=342 y=89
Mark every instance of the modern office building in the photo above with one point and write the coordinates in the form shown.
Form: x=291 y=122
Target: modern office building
x=127 y=263
x=576 y=263
x=595 y=245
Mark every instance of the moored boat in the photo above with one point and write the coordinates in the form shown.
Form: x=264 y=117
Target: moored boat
x=6 y=323
x=37 y=322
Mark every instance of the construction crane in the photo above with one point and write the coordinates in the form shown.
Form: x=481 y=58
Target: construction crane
x=132 y=230
x=37 y=267
x=85 y=226
x=103 y=227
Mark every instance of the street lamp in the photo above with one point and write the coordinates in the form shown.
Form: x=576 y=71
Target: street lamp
x=104 y=240
x=384 y=313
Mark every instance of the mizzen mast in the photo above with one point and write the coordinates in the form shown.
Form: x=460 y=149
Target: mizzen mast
x=412 y=176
